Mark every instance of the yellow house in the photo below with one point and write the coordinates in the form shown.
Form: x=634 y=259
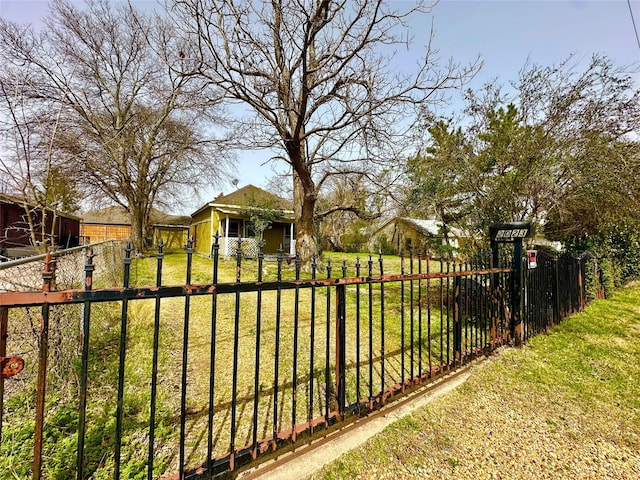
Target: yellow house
x=230 y=217
x=401 y=234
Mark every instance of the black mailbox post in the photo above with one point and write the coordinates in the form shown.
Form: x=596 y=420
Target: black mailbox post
x=513 y=233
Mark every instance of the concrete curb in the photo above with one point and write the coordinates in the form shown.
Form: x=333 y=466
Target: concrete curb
x=308 y=459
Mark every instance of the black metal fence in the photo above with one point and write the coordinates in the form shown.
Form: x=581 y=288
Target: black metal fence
x=200 y=379
x=555 y=289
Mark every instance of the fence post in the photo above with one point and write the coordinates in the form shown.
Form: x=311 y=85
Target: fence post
x=517 y=327
x=43 y=353
x=89 y=268
x=340 y=349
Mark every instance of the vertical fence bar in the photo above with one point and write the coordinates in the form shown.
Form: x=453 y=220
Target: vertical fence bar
x=484 y=302
x=411 y=321
x=358 y=394
x=340 y=371
x=494 y=307
x=4 y=334
x=556 y=293
x=448 y=315
x=88 y=285
x=185 y=360
x=441 y=308
x=256 y=380
x=516 y=308
x=457 y=325
x=370 y=326
x=476 y=314
x=402 y=325
x=121 y=362
x=294 y=378
x=234 y=365
x=154 y=365
x=466 y=309
x=312 y=339
x=420 y=372
x=382 y=384
x=429 y=318
x=582 y=300
x=43 y=353
x=276 y=353
x=215 y=254
x=327 y=371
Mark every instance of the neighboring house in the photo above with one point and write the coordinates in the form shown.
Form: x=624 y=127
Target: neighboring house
x=228 y=217
x=420 y=235
x=14 y=226
x=171 y=230
x=111 y=223
x=114 y=223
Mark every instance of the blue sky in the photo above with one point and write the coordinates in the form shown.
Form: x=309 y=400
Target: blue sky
x=505 y=33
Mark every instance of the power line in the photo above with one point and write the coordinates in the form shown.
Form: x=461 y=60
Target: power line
x=635 y=29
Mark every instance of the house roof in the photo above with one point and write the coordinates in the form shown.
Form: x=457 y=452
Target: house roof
x=119 y=216
x=248 y=196
x=428 y=227
x=108 y=216
x=11 y=199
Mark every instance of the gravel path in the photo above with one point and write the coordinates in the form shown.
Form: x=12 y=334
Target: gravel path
x=504 y=433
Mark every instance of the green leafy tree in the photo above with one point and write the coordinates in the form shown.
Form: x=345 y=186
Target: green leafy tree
x=562 y=152
x=437 y=181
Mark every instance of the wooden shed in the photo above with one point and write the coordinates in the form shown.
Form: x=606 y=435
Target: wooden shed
x=113 y=223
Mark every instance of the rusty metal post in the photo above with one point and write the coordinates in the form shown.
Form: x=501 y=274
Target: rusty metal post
x=340 y=350
x=4 y=322
x=86 y=327
x=41 y=382
x=9 y=366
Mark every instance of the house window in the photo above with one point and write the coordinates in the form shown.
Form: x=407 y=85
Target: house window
x=249 y=231
x=287 y=235
x=235 y=226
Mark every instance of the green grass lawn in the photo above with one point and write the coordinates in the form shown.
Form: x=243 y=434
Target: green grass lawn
x=567 y=405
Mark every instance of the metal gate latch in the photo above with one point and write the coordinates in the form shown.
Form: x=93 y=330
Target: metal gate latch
x=10 y=366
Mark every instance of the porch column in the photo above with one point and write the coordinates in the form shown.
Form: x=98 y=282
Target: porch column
x=292 y=243
x=226 y=235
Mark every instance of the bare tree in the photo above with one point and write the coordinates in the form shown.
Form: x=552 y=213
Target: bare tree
x=31 y=172
x=138 y=127
x=320 y=81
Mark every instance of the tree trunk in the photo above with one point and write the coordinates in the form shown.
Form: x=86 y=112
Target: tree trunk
x=304 y=200
x=138 y=225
